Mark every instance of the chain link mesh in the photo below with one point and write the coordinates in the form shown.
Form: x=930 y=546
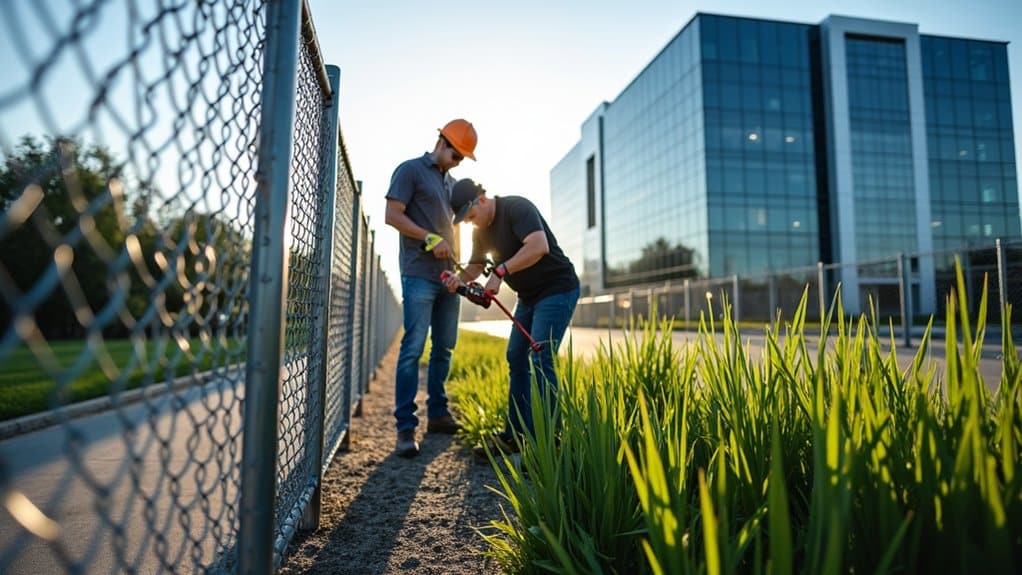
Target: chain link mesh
x=129 y=142
x=358 y=317
x=339 y=400
x=297 y=469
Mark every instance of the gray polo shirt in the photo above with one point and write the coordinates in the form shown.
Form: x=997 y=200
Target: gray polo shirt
x=426 y=193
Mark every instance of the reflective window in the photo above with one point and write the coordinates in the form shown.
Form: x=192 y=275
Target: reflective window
x=883 y=184
x=973 y=191
x=761 y=184
x=654 y=173
x=568 y=210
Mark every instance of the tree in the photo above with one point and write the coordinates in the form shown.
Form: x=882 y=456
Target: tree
x=660 y=261
x=78 y=216
x=121 y=264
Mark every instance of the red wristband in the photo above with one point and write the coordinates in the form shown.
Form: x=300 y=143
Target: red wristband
x=500 y=270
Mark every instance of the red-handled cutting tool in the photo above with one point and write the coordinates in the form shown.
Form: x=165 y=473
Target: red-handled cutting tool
x=474 y=293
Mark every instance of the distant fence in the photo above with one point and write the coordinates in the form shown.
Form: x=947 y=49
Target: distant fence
x=893 y=285
x=188 y=282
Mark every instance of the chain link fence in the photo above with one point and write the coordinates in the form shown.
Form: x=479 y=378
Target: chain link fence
x=996 y=268
x=191 y=304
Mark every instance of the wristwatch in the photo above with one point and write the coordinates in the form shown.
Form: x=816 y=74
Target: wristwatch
x=500 y=270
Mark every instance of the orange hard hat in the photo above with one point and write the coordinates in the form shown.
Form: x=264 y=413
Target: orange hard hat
x=462 y=136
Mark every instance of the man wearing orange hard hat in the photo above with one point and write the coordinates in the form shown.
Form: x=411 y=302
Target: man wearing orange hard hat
x=419 y=207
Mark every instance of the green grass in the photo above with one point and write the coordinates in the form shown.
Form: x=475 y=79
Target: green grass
x=826 y=460
x=51 y=374
x=478 y=384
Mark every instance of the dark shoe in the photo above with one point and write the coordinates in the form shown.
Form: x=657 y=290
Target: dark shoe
x=446 y=425
x=406 y=444
x=497 y=445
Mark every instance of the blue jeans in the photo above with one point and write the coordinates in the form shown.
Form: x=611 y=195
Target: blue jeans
x=427 y=304
x=546 y=321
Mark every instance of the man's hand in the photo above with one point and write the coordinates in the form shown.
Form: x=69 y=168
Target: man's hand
x=442 y=250
x=451 y=281
x=472 y=291
x=493 y=284
x=497 y=274
x=437 y=244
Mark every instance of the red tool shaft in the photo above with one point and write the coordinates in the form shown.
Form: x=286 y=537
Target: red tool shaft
x=535 y=346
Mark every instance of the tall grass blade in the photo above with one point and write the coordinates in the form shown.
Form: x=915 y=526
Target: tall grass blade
x=779 y=517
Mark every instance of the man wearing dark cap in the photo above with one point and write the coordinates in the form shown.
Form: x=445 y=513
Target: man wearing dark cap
x=527 y=258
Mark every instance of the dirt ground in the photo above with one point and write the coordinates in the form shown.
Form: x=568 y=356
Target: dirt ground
x=384 y=514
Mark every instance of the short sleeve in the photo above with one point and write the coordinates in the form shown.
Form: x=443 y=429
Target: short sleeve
x=525 y=219
x=402 y=184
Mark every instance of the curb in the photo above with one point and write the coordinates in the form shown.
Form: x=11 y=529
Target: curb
x=42 y=420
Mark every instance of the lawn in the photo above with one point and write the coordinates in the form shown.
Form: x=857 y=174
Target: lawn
x=52 y=374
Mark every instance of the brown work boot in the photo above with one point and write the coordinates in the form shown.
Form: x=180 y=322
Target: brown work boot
x=445 y=424
x=406 y=445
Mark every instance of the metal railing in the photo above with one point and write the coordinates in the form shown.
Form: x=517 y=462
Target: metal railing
x=894 y=287
x=191 y=302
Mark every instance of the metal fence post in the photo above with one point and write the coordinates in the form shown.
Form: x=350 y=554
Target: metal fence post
x=904 y=299
x=772 y=295
x=631 y=304
x=267 y=290
x=736 y=307
x=688 y=301
x=363 y=375
x=311 y=515
x=668 y=309
x=348 y=384
x=1002 y=279
x=966 y=261
x=370 y=305
x=378 y=299
x=613 y=311
x=822 y=291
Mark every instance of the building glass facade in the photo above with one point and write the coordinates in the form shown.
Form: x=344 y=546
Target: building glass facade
x=747 y=146
x=569 y=210
x=971 y=148
x=653 y=171
x=760 y=160
x=881 y=144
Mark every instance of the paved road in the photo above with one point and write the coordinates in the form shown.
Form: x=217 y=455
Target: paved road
x=585 y=342
x=152 y=485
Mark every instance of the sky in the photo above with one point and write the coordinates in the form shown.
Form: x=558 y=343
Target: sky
x=528 y=73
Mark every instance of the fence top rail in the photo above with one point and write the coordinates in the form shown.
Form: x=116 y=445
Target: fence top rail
x=312 y=41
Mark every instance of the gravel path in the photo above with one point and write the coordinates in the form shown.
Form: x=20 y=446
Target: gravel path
x=383 y=514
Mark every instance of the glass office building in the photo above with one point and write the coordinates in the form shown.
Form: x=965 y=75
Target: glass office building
x=748 y=146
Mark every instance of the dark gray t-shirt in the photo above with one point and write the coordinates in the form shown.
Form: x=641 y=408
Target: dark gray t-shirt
x=426 y=193
x=515 y=218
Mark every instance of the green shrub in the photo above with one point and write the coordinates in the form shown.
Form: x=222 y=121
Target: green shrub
x=828 y=459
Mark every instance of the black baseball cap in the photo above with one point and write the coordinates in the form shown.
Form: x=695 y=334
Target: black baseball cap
x=464 y=193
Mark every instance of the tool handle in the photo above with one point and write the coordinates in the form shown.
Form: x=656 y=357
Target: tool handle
x=535 y=346
x=473 y=292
